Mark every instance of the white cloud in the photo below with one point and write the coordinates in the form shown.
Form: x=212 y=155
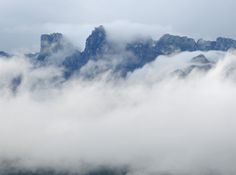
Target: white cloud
x=153 y=125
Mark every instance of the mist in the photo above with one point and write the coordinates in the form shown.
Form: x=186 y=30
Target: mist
x=148 y=123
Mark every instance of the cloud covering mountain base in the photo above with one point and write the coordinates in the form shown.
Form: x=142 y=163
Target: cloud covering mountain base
x=151 y=122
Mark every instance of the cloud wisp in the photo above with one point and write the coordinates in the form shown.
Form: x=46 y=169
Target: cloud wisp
x=150 y=122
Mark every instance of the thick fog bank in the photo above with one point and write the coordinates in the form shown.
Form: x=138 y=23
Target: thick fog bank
x=152 y=122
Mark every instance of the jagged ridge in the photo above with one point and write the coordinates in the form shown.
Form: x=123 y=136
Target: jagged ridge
x=140 y=52
x=134 y=54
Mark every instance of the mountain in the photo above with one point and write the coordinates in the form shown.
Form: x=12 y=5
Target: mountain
x=201 y=59
x=53 y=49
x=169 y=44
x=96 y=46
x=102 y=54
x=198 y=63
x=4 y=54
x=221 y=44
x=50 y=44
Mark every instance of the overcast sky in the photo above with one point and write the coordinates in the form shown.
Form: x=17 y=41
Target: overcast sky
x=23 y=21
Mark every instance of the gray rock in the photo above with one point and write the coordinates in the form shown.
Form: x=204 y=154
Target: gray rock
x=201 y=59
x=168 y=44
x=4 y=54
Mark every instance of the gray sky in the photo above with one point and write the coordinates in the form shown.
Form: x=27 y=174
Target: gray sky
x=23 y=21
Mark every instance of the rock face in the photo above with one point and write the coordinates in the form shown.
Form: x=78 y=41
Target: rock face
x=225 y=44
x=144 y=51
x=4 y=54
x=15 y=83
x=96 y=44
x=73 y=63
x=204 y=45
x=200 y=59
x=221 y=44
x=137 y=53
x=198 y=63
x=169 y=44
x=50 y=44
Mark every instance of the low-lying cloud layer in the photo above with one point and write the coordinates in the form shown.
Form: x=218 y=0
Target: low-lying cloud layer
x=21 y=21
x=150 y=122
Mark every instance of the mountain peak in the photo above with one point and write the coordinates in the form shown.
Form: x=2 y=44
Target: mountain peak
x=200 y=59
x=205 y=45
x=95 y=42
x=51 y=42
x=134 y=54
x=168 y=44
x=225 y=44
x=100 y=29
x=98 y=33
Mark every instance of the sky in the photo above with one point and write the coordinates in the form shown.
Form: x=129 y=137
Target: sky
x=23 y=21
x=152 y=121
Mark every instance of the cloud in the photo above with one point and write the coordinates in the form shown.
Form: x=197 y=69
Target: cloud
x=150 y=122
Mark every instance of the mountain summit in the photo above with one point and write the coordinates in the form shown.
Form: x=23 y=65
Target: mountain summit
x=103 y=54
